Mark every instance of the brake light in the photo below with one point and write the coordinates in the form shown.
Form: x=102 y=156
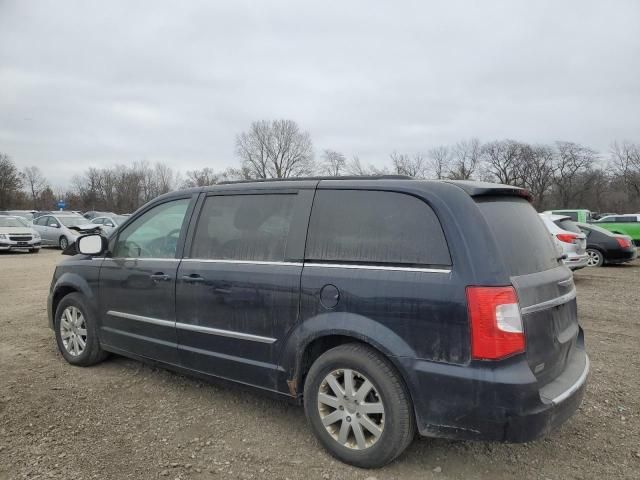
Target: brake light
x=496 y=325
x=566 y=237
x=623 y=242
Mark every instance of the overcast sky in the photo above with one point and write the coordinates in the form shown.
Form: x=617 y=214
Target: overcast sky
x=95 y=83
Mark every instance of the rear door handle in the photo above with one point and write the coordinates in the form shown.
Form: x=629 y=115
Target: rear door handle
x=193 y=278
x=160 y=277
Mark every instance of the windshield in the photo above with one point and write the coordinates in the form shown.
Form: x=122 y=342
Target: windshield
x=120 y=219
x=72 y=221
x=10 y=222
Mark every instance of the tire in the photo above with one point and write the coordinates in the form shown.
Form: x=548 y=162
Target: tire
x=596 y=258
x=91 y=353
x=63 y=243
x=396 y=420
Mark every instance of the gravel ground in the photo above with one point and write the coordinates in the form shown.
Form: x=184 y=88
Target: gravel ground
x=123 y=419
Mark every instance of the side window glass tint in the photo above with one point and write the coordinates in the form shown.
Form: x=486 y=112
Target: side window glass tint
x=374 y=227
x=155 y=234
x=244 y=227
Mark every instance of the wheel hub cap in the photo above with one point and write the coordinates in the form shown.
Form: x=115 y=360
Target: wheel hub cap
x=73 y=331
x=351 y=409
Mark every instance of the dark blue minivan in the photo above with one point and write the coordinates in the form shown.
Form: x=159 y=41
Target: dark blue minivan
x=386 y=305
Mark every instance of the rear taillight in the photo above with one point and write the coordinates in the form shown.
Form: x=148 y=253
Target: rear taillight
x=496 y=325
x=566 y=237
x=623 y=242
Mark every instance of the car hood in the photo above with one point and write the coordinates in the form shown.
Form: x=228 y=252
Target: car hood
x=20 y=230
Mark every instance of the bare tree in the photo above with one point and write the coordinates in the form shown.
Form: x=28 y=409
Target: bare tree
x=466 y=155
x=504 y=161
x=356 y=167
x=626 y=162
x=10 y=181
x=537 y=171
x=275 y=149
x=440 y=161
x=333 y=163
x=35 y=183
x=201 y=178
x=412 y=165
x=571 y=160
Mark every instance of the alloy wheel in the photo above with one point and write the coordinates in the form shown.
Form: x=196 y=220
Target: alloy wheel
x=73 y=331
x=351 y=409
x=593 y=259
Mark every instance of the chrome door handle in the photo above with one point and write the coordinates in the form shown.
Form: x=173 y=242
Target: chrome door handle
x=160 y=277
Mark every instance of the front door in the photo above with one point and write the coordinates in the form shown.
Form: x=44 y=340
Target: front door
x=237 y=293
x=137 y=282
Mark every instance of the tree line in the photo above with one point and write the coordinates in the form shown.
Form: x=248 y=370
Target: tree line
x=558 y=175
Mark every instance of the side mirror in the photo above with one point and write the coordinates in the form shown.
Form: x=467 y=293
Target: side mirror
x=54 y=225
x=91 y=244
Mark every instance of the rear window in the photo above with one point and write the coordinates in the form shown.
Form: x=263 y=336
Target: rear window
x=568 y=225
x=374 y=227
x=520 y=234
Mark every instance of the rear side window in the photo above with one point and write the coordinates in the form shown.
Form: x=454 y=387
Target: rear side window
x=244 y=227
x=355 y=226
x=520 y=234
x=567 y=225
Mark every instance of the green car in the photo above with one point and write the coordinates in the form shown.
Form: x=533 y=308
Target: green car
x=579 y=215
x=623 y=224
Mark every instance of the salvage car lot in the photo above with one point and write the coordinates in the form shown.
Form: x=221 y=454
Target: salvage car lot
x=124 y=419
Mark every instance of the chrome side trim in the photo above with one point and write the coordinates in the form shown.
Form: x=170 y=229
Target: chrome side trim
x=241 y=262
x=140 y=318
x=224 y=333
x=572 y=389
x=554 y=302
x=192 y=328
x=131 y=259
x=379 y=267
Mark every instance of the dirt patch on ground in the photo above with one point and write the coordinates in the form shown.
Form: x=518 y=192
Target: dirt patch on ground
x=123 y=419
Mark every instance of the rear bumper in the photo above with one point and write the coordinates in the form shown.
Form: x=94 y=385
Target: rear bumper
x=494 y=402
x=622 y=256
x=575 y=261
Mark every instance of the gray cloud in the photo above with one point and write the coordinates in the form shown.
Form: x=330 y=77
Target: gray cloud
x=94 y=83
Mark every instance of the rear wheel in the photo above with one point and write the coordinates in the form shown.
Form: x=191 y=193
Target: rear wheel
x=358 y=406
x=63 y=243
x=596 y=259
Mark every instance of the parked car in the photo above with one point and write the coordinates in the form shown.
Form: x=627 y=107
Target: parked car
x=628 y=224
x=40 y=213
x=569 y=239
x=15 y=234
x=59 y=230
x=578 y=215
x=94 y=214
x=27 y=214
x=606 y=247
x=109 y=223
x=384 y=305
x=598 y=216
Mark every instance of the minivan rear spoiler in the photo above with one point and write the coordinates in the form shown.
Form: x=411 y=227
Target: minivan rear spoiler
x=483 y=189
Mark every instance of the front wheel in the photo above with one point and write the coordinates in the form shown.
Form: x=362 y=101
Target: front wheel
x=63 y=243
x=76 y=332
x=596 y=259
x=358 y=406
